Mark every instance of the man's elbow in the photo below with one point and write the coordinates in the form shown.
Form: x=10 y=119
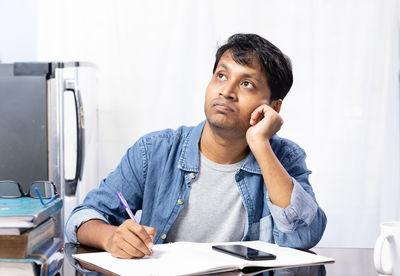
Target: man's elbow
x=303 y=236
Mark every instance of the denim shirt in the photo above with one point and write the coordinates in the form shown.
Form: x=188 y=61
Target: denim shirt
x=155 y=176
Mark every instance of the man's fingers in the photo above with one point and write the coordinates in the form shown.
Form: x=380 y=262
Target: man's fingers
x=257 y=115
x=119 y=247
x=127 y=251
x=143 y=241
x=131 y=239
x=135 y=247
x=151 y=231
x=141 y=232
x=140 y=245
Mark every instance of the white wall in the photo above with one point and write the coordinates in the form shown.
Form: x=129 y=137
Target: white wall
x=18 y=30
x=156 y=57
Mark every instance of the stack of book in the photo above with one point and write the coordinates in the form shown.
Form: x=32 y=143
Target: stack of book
x=28 y=245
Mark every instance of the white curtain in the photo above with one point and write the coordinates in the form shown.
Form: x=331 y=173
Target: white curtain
x=156 y=58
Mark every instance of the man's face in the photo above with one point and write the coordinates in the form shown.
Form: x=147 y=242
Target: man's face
x=234 y=92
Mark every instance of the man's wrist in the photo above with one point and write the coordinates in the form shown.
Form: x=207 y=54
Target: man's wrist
x=95 y=233
x=108 y=233
x=257 y=143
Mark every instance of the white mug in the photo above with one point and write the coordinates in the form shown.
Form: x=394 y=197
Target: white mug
x=387 y=249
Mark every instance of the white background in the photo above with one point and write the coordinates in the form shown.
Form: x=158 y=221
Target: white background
x=156 y=58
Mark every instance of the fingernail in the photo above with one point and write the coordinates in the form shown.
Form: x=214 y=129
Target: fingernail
x=150 y=245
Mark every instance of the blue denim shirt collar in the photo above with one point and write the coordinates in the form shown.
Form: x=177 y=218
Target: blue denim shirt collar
x=189 y=158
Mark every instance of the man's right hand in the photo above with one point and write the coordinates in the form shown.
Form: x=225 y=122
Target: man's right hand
x=129 y=240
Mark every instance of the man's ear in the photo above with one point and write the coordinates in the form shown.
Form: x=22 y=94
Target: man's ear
x=276 y=105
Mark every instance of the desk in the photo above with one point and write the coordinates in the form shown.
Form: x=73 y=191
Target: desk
x=348 y=261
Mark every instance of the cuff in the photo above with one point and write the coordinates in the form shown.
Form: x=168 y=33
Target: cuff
x=302 y=207
x=77 y=219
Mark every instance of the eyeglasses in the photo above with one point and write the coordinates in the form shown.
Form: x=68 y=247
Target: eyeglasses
x=38 y=189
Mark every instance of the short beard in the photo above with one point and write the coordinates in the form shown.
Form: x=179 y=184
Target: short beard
x=227 y=131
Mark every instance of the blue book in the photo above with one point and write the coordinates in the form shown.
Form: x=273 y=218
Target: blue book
x=45 y=261
x=26 y=212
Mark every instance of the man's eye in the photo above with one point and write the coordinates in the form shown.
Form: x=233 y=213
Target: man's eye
x=221 y=76
x=248 y=84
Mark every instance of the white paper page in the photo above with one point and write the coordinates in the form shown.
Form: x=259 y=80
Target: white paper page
x=184 y=258
x=168 y=259
x=285 y=256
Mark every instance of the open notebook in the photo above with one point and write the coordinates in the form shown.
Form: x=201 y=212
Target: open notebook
x=186 y=258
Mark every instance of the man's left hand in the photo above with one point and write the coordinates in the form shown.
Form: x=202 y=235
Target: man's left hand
x=264 y=123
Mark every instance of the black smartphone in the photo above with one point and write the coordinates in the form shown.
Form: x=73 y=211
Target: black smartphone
x=244 y=252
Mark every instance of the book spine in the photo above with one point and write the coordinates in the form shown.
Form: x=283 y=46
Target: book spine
x=51 y=258
x=54 y=264
x=13 y=246
x=42 y=254
x=41 y=235
x=47 y=212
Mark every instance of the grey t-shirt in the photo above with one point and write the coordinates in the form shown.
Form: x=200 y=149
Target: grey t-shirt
x=214 y=211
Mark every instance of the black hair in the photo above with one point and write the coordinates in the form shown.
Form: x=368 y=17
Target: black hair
x=277 y=66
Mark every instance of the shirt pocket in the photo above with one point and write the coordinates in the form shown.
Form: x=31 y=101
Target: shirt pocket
x=262 y=230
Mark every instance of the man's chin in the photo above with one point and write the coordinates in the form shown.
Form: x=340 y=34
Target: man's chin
x=223 y=125
x=220 y=124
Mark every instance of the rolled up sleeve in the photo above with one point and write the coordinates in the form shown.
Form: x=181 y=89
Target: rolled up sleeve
x=302 y=223
x=302 y=207
x=77 y=219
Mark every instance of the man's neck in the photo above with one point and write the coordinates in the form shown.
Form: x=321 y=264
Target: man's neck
x=221 y=148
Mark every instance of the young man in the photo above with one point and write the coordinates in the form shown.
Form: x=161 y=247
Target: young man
x=230 y=178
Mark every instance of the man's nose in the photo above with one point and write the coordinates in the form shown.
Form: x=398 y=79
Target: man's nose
x=228 y=91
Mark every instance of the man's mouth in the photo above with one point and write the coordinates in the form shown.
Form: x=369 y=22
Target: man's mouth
x=223 y=107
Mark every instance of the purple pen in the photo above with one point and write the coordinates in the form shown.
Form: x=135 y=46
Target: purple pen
x=125 y=204
x=128 y=210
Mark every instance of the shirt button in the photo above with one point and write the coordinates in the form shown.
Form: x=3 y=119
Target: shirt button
x=180 y=201
x=192 y=175
x=163 y=236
